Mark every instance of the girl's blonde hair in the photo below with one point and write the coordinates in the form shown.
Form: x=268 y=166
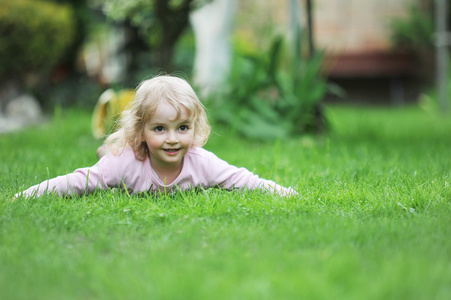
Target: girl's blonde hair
x=149 y=94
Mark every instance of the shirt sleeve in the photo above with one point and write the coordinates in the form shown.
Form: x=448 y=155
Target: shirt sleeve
x=230 y=177
x=83 y=180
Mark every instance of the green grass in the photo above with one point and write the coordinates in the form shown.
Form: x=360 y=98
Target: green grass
x=373 y=219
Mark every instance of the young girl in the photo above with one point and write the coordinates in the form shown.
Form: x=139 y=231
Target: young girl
x=157 y=148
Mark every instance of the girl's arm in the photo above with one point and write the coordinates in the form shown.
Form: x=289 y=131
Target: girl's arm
x=76 y=183
x=241 y=178
x=121 y=170
x=230 y=177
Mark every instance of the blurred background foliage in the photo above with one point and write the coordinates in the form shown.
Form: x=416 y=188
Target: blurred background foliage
x=40 y=43
x=271 y=91
x=34 y=37
x=281 y=94
x=415 y=30
x=158 y=25
x=415 y=33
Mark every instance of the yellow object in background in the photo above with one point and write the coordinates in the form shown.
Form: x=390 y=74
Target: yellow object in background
x=109 y=106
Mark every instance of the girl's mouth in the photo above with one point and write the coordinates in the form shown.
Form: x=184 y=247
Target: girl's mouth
x=171 y=151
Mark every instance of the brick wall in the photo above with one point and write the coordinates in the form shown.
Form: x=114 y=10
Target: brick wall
x=356 y=25
x=356 y=37
x=340 y=25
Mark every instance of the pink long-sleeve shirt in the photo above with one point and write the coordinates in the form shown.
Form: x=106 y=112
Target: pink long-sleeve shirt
x=201 y=168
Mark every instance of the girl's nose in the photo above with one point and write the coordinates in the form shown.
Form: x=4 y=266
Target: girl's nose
x=171 y=137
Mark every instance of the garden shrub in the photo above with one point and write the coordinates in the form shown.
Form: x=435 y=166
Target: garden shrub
x=413 y=31
x=270 y=95
x=34 y=35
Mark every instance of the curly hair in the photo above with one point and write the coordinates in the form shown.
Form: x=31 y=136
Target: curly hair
x=149 y=94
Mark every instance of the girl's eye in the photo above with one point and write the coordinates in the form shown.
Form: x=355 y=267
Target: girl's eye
x=183 y=128
x=159 y=129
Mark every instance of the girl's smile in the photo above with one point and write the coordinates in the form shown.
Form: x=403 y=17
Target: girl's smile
x=171 y=151
x=169 y=134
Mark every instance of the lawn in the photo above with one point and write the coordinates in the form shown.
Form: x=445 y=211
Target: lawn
x=372 y=221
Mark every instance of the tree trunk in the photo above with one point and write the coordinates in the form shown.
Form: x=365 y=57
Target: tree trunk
x=172 y=21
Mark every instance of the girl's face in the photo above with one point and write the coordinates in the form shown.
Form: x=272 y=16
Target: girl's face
x=168 y=136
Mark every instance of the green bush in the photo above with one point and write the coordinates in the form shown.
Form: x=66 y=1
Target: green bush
x=413 y=31
x=270 y=95
x=34 y=35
